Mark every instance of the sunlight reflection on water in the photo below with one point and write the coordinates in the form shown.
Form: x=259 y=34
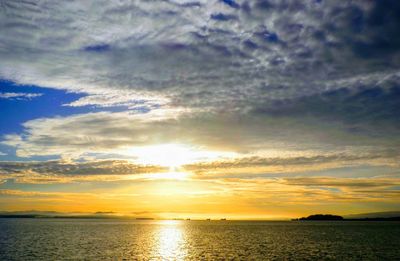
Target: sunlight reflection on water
x=171 y=241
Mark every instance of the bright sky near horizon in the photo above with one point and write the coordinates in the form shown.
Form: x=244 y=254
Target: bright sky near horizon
x=195 y=108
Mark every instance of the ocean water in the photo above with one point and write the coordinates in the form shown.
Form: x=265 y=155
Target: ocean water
x=89 y=239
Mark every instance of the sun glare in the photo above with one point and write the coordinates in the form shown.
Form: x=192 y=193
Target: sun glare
x=169 y=175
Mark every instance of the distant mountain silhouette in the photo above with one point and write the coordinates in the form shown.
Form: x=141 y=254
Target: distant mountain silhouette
x=374 y=219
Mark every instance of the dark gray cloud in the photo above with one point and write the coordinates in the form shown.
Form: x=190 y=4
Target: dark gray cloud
x=372 y=111
x=221 y=52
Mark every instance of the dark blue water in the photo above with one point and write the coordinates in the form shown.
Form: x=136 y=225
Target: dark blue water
x=78 y=239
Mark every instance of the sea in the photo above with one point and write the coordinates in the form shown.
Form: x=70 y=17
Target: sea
x=114 y=239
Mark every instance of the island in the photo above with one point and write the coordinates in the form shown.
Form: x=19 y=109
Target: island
x=329 y=217
x=321 y=217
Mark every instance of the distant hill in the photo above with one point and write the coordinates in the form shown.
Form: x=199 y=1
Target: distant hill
x=387 y=214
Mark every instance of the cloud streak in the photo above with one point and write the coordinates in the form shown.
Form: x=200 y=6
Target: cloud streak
x=66 y=172
x=19 y=95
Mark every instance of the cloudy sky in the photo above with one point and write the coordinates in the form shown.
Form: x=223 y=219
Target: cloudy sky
x=184 y=108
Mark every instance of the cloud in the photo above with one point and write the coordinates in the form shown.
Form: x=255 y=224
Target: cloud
x=65 y=198
x=102 y=132
x=369 y=110
x=105 y=167
x=346 y=183
x=19 y=95
x=256 y=166
x=21 y=193
x=257 y=193
x=309 y=191
x=199 y=53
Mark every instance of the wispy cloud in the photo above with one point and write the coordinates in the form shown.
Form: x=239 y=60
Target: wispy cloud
x=19 y=95
x=112 y=133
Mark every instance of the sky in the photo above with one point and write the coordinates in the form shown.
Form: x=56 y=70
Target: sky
x=256 y=109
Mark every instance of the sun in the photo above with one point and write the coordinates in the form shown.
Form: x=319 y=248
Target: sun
x=172 y=155
x=167 y=155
